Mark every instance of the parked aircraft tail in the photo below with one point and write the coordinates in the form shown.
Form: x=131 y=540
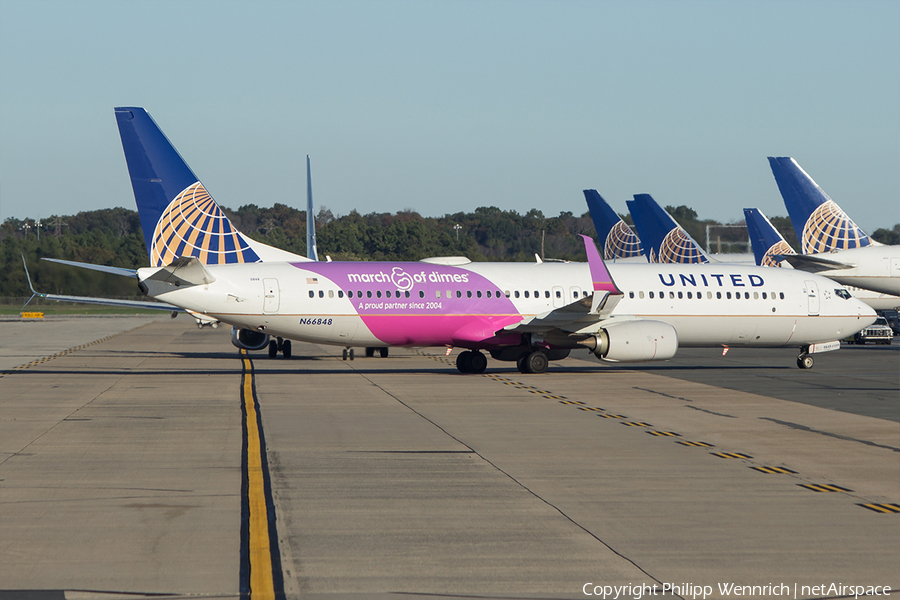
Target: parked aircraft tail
x=178 y=216
x=615 y=236
x=766 y=241
x=665 y=241
x=820 y=223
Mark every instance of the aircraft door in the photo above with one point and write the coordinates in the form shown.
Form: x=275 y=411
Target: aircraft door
x=812 y=296
x=271 y=298
x=559 y=296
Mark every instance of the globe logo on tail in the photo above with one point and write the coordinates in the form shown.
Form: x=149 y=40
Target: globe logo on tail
x=779 y=247
x=677 y=247
x=829 y=228
x=621 y=242
x=194 y=225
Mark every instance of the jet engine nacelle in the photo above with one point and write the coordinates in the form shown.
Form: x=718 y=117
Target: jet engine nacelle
x=247 y=339
x=635 y=341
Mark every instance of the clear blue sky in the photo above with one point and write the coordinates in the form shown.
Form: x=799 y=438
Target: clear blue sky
x=446 y=106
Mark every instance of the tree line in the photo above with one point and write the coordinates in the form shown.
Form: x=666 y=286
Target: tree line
x=114 y=237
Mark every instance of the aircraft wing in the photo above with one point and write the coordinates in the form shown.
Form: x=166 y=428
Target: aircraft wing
x=814 y=263
x=576 y=316
x=584 y=312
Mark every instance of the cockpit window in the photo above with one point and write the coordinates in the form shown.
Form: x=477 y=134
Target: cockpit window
x=842 y=293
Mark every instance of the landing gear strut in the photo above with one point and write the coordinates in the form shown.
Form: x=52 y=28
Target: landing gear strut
x=471 y=361
x=805 y=361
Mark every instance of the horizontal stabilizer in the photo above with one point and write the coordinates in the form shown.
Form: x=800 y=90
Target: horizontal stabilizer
x=187 y=270
x=102 y=268
x=814 y=263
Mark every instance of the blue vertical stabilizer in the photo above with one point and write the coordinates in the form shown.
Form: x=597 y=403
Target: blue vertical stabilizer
x=819 y=222
x=765 y=239
x=665 y=241
x=615 y=236
x=178 y=216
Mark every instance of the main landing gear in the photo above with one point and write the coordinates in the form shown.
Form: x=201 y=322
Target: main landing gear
x=281 y=345
x=347 y=354
x=471 y=361
x=382 y=351
x=533 y=362
x=805 y=361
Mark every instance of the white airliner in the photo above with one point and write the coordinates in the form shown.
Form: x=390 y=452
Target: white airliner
x=831 y=243
x=530 y=313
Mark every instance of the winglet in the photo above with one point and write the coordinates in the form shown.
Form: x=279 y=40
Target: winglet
x=600 y=276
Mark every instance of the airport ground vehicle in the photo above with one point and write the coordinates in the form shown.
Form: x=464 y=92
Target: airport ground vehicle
x=878 y=332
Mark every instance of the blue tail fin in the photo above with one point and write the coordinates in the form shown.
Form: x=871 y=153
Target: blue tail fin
x=178 y=216
x=820 y=223
x=616 y=237
x=765 y=239
x=665 y=241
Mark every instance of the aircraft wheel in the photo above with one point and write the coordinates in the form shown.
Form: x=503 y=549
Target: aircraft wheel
x=286 y=348
x=273 y=349
x=344 y=354
x=537 y=362
x=383 y=352
x=521 y=364
x=805 y=361
x=350 y=354
x=370 y=352
x=477 y=362
x=464 y=362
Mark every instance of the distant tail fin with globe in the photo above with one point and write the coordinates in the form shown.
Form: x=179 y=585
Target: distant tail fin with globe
x=820 y=223
x=664 y=240
x=615 y=236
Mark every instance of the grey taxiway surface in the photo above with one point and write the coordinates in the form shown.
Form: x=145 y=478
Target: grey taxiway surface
x=121 y=470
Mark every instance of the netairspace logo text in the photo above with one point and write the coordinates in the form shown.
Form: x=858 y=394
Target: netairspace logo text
x=725 y=590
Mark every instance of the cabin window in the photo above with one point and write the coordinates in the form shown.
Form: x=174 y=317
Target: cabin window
x=517 y=293
x=585 y=293
x=421 y=293
x=640 y=295
x=558 y=294
x=631 y=294
x=449 y=294
x=764 y=295
x=781 y=295
x=406 y=293
x=546 y=293
x=662 y=295
x=368 y=293
x=331 y=293
x=526 y=293
x=469 y=293
x=312 y=294
x=680 y=295
x=746 y=295
x=489 y=294
x=478 y=293
x=651 y=295
x=728 y=295
x=321 y=293
x=459 y=294
x=689 y=295
x=340 y=293
x=756 y=295
x=378 y=294
x=709 y=295
x=671 y=295
x=507 y=294
x=497 y=294
x=537 y=294
x=437 y=293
